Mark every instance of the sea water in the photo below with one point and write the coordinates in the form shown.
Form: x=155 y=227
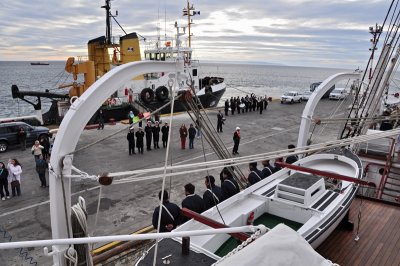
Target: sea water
x=241 y=79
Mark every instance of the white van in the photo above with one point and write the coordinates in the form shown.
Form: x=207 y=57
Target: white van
x=338 y=94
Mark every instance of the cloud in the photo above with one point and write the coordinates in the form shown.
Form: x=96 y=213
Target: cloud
x=298 y=32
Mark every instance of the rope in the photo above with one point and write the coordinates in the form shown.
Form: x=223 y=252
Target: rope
x=170 y=83
x=72 y=256
x=80 y=228
x=252 y=238
x=202 y=166
x=121 y=130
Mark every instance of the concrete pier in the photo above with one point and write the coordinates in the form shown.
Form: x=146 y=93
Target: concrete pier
x=128 y=207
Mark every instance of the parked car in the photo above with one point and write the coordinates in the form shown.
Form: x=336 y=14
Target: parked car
x=306 y=95
x=9 y=134
x=291 y=97
x=315 y=85
x=338 y=94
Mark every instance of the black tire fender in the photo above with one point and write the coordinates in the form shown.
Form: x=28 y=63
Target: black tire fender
x=162 y=93
x=147 y=95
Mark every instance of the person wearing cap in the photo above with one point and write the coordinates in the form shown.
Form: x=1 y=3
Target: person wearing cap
x=149 y=131
x=139 y=140
x=131 y=141
x=165 y=132
x=236 y=141
x=213 y=195
x=156 y=135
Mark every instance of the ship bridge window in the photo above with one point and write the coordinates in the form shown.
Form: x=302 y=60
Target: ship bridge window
x=147 y=56
x=194 y=72
x=168 y=55
x=162 y=56
x=157 y=56
x=152 y=56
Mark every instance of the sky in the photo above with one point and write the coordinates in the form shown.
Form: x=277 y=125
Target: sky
x=314 y=33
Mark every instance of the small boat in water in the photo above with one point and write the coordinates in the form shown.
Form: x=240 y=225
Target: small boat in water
x=40 y=63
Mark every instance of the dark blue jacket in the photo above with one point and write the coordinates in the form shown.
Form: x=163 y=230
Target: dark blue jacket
x=254 y=176
x=166 y=219
x=210 y=200
x=229 y=187
x=193 y=202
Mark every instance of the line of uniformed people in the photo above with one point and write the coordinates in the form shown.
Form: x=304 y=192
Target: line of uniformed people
x=171 y=215
x=245 y=104
x=256 y=175
x=151 y=133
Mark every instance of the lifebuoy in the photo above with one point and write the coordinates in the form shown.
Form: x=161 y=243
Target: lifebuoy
x=162 y=93
x=147 y=95
x=73 y=99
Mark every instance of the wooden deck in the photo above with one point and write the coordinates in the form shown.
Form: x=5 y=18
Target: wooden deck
x=379 y=233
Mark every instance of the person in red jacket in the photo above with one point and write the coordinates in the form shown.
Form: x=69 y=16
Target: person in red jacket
x=236 y=141
x=183 y=134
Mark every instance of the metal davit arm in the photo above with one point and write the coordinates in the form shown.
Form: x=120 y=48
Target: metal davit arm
x=68 y=135
x=308 y=111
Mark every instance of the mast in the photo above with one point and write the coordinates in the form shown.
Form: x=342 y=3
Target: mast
x=189 y=11
x=374 y=31
x=107 y=7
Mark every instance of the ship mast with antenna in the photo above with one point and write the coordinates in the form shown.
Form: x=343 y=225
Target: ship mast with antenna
x=190 y=11
x=107 y=7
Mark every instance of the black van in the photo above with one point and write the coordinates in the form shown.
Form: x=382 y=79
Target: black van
x=9 y=134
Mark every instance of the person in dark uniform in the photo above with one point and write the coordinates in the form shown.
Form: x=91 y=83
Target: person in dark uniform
x=165 y=131
x=139 y=140
x=260 y=105
x=131 y=141
x=192 y=201
x=265 y=102
x=100 y=119
x=226 y=107
x=22 y=138
x=171 y=214
x=233 y=105
x=291 y=158
x=254 y=103
x=192 y=135
x=156 y=135
x=149 y=131
x=255 y=174
x=229 y=185
x=247 y=103
x=213 y=195
x=238 y=104
x=267 y=170
x=220 y=121
x=236 y=141
x=277 y=167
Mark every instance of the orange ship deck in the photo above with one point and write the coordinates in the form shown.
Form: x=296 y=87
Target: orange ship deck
x=379 y=233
